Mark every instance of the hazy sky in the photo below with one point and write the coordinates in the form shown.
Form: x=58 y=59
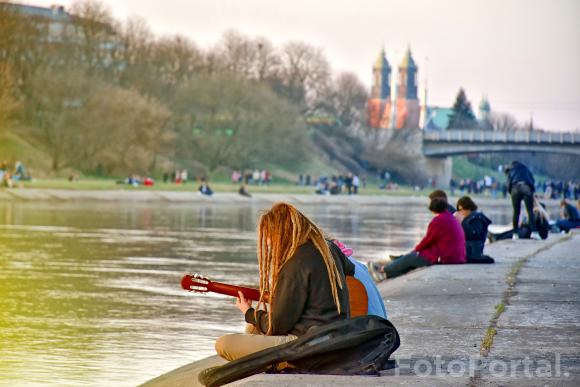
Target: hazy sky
x=523 y=54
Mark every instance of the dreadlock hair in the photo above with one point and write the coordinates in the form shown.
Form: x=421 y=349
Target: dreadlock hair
x=281 y=230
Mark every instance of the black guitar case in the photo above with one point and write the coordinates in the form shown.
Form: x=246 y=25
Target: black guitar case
x=359 y=346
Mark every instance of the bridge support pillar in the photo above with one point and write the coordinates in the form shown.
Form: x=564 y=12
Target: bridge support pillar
x=440 y=169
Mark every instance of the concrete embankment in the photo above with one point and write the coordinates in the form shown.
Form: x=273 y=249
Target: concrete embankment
x=516 y=322
x=185 y=197
x=142 y=196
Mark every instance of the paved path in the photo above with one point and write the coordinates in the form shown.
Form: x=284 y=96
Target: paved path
x=542 y=322
x=530 y=298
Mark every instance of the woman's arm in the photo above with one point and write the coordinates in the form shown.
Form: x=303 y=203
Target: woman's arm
x=288 y=303
x=432 y=235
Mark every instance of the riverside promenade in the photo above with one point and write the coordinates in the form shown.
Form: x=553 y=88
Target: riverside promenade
x=185 y=197
x=513 y=323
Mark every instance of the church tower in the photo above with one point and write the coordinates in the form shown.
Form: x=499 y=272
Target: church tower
x=484 y=121
x=407 y=104
x=484 y=109
x=381 y=88
x=379 y=103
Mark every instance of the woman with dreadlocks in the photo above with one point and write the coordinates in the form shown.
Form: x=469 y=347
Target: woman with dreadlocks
x=302 y=275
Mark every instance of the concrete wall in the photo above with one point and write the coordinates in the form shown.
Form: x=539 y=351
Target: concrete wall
x=439 y=168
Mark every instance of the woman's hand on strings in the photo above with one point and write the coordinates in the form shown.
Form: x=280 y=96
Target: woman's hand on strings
x=242 y=304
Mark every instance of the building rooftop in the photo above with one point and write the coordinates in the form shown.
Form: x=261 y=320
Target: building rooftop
x=437 y=118
x=55 y=12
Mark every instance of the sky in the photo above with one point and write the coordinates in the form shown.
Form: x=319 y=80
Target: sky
x=524 y=55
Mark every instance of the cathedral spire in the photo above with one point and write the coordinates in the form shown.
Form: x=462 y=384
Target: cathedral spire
x=381 y=88
x=407 y=87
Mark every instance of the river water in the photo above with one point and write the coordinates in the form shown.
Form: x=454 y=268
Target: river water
x=90 y=294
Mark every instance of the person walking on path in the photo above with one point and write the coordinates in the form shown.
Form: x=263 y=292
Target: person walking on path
x=444 y=243
x=520 y=185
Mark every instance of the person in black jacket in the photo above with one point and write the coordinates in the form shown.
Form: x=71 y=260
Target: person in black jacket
x=520 y=185
x=541 y=223
x=302 y=278
x=475 y=226
x=570 y=216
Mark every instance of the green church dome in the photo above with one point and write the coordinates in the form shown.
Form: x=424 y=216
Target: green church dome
x=484 y=105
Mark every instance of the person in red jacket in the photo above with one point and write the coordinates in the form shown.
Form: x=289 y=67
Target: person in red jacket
x=443 y=244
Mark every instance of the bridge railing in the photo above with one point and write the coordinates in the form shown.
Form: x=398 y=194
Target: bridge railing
x=503 y=137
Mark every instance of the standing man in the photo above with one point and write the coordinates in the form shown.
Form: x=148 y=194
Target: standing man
x=520 y=185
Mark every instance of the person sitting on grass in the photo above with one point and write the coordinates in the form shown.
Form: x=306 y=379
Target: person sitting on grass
x=474 y=224
x=443 y=244
x=204 y=188
x=243 y=191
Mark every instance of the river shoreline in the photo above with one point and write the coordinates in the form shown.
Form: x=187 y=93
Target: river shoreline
x=63 y=195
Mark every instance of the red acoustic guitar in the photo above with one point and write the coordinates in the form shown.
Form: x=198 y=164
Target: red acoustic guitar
x=200 y=284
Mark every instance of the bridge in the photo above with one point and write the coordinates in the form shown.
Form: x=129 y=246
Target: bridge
x=461 y=142
x=434 y=149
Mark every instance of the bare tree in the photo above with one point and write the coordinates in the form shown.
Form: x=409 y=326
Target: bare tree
x=124 y=132
x=95 y=37
x=176 y=59
x=56 y=108
x=20 y=47
x=503 y=122
x=87 y=123
x=349 y=98
x=238 y=54
x=306 y=75
x=8 y=101
x=268 y=60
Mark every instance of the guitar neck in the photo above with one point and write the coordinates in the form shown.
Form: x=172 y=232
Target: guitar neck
x=232 y=290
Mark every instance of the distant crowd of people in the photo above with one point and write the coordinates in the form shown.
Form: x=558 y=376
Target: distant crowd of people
x=132 y=180
x=255 y=177
x=10 y=175
x=348 y=184
x=179 y=176
x=559 y=189
x=487 y=184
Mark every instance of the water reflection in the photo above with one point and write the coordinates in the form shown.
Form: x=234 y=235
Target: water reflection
x=90 y=293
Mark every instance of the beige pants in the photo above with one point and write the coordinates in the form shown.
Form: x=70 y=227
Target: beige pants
x=236 y=345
